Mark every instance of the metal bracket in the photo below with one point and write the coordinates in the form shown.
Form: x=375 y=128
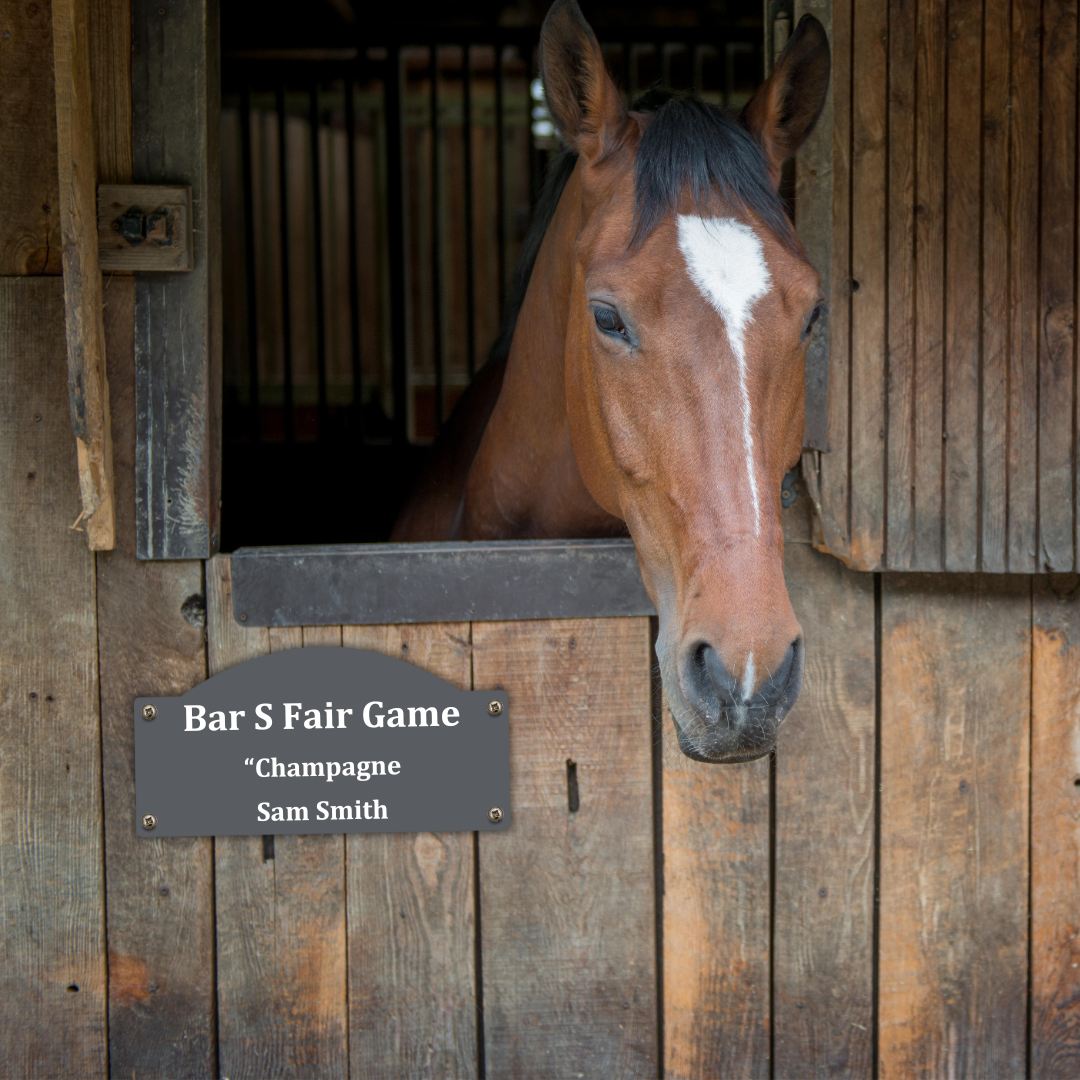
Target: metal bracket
x=144 y=227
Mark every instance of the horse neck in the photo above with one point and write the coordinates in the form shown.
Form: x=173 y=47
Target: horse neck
x=525 y=480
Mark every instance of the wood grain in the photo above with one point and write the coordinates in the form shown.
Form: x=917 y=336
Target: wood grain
x=88 y=388
x=899 y=544
x=993 y=318
x=869 y=285
x=716 y=916
x=568 y=921
x=954 y=825
x=52 y=903
x=1055 y=831
x=151 y=641
x=1024 y=319
x=110 y=78
x=823 y=919
x=1057 y=286
x=413 y=1006
x=29 y=186
x=963 y=242
x=281 y=940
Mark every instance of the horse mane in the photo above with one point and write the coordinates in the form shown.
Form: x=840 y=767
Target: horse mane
x=688 y=145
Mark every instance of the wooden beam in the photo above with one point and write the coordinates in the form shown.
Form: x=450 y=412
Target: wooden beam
x=88 y=390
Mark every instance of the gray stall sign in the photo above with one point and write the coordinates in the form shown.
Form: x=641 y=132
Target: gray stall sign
x=322 y=740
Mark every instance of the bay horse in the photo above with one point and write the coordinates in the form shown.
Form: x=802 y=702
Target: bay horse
x=650 y=376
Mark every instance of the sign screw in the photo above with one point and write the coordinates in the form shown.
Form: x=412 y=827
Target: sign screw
x=149 y=821
x=494 y=707
x=149 y=712
x=494 y=814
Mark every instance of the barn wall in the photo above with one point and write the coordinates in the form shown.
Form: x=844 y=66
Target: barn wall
x=951 y=438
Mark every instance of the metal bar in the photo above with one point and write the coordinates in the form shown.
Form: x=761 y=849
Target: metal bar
x=249 y=267
x=286 y=292
x=354 y=268
x=362 y=584
x=466 y=131
x=320 y=300
x=436 y=249
x=395 y=212
x=500 y=194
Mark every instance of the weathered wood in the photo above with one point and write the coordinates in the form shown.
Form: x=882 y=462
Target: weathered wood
x=1057 y=286
x=281 y=941
x=954 y=826
x=716 y=937
x=899 y=542
x=164 y=240
x=963 y=209
x=29 y=186
x=823 y=918
x=413 y=1007
x=151 y=641
x=176 y=102
x=1055 y=831
x=88 y=388
x=110 y=78
x=869 y=285
x=567 y=912
x=1024 y=317
x=826 y=474
x=52 y=904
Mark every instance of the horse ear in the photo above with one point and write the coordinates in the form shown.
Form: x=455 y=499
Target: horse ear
x=786 y=106
x=585 y=105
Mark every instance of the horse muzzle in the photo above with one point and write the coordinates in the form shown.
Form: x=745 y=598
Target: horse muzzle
x=715 y=720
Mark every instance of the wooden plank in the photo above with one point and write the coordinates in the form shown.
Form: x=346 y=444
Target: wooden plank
x=1057 y=286
x=29 y=185
x=869 y=285
x=175 y=58
x=963 y=276
x=1055 y=831
x=413 y=1008
x=52 y=904
x=930 y=32
x=110 y=77
x=955 y=684
x=899 y=543
x=151 y=641
x=281 y=941
x=1023 y=369
x=88 y=388
x=993 y=489
x=827 y=474
x=568 y=921
x=716 y=915
x=823 y=918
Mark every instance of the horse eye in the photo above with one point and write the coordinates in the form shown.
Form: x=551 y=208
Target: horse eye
x=608 y=321
x=815 y=314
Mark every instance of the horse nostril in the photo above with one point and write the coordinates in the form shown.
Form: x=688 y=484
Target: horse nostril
x=707 y=683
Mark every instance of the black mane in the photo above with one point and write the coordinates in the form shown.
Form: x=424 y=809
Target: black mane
x=689 y=146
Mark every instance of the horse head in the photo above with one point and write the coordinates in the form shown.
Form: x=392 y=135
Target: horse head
x=691 y=305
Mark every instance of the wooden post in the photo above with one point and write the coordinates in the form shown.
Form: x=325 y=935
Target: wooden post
x=87 y=386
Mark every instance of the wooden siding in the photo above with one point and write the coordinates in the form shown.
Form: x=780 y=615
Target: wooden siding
x=951 y=271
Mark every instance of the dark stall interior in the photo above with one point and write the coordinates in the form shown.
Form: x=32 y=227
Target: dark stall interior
x=366 y=264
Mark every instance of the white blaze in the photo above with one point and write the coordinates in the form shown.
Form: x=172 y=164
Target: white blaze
x=726 y=262
x=749 y=677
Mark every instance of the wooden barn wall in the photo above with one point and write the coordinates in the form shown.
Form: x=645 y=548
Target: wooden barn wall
x=896 y=894
x=952 y=419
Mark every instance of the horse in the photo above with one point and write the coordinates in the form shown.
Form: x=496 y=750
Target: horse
x=650 y=375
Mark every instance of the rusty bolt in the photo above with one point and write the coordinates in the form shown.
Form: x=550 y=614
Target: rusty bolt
x=149 y=712
x=148 y=821
x=494 y=707
x=495 y=814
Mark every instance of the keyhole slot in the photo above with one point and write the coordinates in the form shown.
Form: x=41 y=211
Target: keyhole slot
x=573 y=798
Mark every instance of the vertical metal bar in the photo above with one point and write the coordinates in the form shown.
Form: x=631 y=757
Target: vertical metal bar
x=249 y=267
x=466 y=130
x=354 y=268
x=395 y=216
x=320 y=300
x=436 y=297
x=500 y=194
x=286 y=293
